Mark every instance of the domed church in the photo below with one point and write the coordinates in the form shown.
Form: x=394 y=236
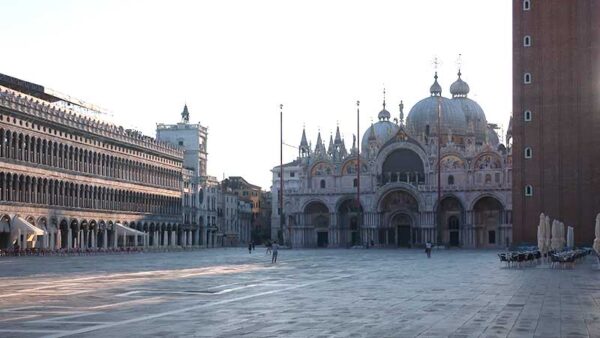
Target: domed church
x=400 y=203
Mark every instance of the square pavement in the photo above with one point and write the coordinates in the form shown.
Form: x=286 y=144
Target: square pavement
x=308 y=293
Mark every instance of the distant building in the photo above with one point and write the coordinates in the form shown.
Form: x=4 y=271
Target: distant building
x=208 y=197
x=245 y=220
x=556 y=115
x=399 y=204
x=192 y=137
x=253 y=193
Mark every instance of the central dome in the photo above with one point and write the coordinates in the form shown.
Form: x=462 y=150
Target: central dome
x=423 y=117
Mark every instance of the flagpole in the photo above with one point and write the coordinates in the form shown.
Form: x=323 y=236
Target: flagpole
x=358 y=171
x=281 y=217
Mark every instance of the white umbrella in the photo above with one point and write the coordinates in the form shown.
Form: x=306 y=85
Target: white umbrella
x=597 y=231
x=555 y=242
x=570 y=237
x=548 y=233
x=563 y=235
x=541 y=233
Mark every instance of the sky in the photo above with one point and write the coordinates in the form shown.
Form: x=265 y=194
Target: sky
x=235 y=62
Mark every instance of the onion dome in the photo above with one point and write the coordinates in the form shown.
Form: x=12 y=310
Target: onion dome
x=474 y=115
x=380 y=132
x=435 y=89
x=459 y=88
x=384 y=115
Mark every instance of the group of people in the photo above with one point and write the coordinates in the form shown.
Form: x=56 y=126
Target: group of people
x=272 y=248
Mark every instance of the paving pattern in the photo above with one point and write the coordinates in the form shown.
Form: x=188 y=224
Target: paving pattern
x=308 y=293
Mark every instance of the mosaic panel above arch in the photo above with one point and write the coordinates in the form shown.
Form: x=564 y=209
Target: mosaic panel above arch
x=488 y=162
x=351 y=167
x=452 y=162
x=321 y=169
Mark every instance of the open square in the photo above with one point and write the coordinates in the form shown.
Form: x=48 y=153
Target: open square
x=308 y=293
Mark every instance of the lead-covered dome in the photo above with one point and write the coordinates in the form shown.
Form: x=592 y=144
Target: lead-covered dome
x=382 y=131
x=423 y=116
x=474 y=115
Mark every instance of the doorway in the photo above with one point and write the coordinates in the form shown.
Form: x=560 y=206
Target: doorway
x=322 y=239
x=453 y=229
x=401 y=225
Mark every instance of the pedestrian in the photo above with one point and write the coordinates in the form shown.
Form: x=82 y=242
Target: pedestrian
x=269 y=245
x=428 y=249
x=275 y=249
x=249 y=248
x=253 y=247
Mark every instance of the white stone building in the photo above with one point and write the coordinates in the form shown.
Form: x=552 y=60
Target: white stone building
x=399 y=204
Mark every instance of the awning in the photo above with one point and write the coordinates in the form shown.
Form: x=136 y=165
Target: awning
x=26 y=227
x=120 y=228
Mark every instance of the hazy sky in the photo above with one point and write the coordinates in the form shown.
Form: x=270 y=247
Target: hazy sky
x=234 y=62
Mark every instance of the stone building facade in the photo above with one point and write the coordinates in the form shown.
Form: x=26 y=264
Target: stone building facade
x=399 y=204
x=68 y=180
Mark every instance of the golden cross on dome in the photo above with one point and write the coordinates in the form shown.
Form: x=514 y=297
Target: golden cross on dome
x=436 y=63
x=459 y=62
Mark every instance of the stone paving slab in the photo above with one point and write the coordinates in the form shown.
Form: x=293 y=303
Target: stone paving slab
x=309 y=293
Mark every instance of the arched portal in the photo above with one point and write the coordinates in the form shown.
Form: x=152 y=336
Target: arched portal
x=487 y=217
x=450 y=221
x=349 y=220
x=5 y=232
x=399 y=210
x=316 y=215
x=403 y=165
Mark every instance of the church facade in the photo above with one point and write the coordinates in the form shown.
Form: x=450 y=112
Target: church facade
x=400 y=203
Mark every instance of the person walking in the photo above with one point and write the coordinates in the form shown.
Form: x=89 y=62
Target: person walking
x=274 y=255
x=269 y=245
x=428 y=249
x=249 y=248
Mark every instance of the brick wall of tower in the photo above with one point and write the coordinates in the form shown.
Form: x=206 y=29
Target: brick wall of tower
x=564 y=98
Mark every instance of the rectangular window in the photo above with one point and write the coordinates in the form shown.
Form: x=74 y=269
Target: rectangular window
x=292 y=174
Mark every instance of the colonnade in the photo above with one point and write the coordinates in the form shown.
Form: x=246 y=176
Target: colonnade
x=57 y=154
x=44 y=191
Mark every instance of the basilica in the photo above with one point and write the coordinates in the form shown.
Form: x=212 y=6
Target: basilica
x=441 y=176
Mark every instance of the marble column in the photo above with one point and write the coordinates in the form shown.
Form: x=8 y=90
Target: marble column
x=105 y=239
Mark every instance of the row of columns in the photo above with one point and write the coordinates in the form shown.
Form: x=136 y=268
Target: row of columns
x=93 y=239
x=22 y=147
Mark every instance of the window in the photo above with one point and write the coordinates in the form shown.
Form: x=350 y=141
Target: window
x=355 y=183
x=292 y=174
x=528 y=190
x=527 y=41
x=451 y=180
x=527 y=115
x=488 y=179
x=528 y=152
x=526 y=5
x=527 y=78
x=180 y=143
x=322 y=184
